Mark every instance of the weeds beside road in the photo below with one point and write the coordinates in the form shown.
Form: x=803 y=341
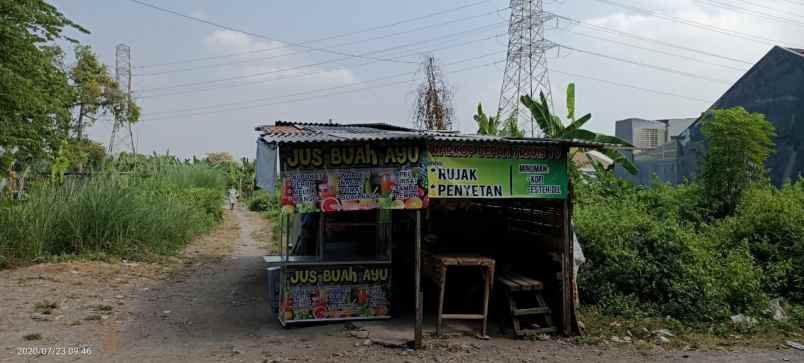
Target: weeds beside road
x=209 y=305
x=150 y=212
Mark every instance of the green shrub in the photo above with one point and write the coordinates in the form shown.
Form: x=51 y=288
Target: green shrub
x=645 y=258
x=262 y=201
x=770 y=222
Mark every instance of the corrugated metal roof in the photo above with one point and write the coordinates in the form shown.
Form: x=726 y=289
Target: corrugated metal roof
x=284 y=132
x=797 y=50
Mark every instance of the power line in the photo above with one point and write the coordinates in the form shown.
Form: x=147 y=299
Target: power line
x=308 y=74
x=657 y=51
x=342 y=35
x=225 y=64
x=769 y=8
x=731 y=33
x=647 y=65
x=294 y=44
x=799 y=3
x=614 y=83
x=398 y=75
x=665 y=69
x=620 y=84
x=317 y=96
x=752 y=12
x=452 y=35
x=646 y=39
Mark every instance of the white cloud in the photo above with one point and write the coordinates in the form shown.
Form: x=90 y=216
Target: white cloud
x=739 y=25
x=267 y=59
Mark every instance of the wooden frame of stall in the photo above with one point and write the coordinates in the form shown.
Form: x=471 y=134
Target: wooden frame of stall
x=518 y=211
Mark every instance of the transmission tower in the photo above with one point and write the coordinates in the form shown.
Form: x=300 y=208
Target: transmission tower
x=526 y=65
x=122 y=134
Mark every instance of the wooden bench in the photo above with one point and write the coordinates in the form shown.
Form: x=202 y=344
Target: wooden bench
x=435 y=266
x=515 y=286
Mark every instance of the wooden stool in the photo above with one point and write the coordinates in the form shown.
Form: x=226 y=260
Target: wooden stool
x=515 y=285
x=435 y=266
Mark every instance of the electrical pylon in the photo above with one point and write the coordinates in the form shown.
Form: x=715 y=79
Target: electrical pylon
x=526 y=64
x=122 y=133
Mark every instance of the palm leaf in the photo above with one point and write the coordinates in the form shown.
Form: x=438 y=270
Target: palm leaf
x=571 y=101
x=555 y=124
x=620 y=159
x=549 y=124
x=576 y=125
x=580 y=134
x=538 y=113
x=606 y=139
x=482 y=121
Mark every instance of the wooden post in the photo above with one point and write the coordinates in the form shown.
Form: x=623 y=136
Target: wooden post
x=442 y=285
x=417 y=340
x=488 y=275
x=566 y=270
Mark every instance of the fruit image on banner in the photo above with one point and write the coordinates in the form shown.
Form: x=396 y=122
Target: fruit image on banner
x=319 y=293
x=367 y=177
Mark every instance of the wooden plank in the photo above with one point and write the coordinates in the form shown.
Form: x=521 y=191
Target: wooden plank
x=531 y=311
x=513 y=286
x=463 y=316
x=538 y=331
x=536 y=284
x=461 y=260
x=524 y=285
x=417 y=335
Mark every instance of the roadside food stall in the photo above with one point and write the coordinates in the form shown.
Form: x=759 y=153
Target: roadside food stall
x=352 y=194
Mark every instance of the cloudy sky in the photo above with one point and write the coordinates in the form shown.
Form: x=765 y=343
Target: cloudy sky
x=203 y=88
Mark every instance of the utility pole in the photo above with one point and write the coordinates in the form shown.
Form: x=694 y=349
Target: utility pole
x=122 y=133
x=526 y=65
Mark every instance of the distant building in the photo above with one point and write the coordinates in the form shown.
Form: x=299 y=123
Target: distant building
x=649 y=134
x=774 y=86
x=654 y=147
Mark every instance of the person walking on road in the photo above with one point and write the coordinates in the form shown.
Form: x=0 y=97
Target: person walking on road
x=232 y=196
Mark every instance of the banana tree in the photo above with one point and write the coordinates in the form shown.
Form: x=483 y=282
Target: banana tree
x=490 y=125
x=552 y=127
x=486 y=125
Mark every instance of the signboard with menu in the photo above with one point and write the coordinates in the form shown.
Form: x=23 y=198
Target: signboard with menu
x=496 y=171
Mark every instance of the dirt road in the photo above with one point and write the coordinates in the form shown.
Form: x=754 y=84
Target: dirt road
x=209 y=305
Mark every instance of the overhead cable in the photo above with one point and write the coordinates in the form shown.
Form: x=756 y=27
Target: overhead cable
x=342 y=35
x=257 y=35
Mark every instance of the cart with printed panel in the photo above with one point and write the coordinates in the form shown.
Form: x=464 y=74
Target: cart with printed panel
x=338 y=201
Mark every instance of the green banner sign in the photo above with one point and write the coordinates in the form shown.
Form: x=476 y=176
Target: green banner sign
x=470 y=171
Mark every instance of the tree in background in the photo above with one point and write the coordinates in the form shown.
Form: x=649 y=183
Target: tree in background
x=35 y=97
x=739 y=142
x=433 y=108
x=95 y=91
x=221 y=158
x=552 y=127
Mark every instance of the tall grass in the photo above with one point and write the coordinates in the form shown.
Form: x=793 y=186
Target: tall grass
x=131 y=216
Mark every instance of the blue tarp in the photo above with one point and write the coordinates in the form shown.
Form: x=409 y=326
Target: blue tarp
x=266 y=165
